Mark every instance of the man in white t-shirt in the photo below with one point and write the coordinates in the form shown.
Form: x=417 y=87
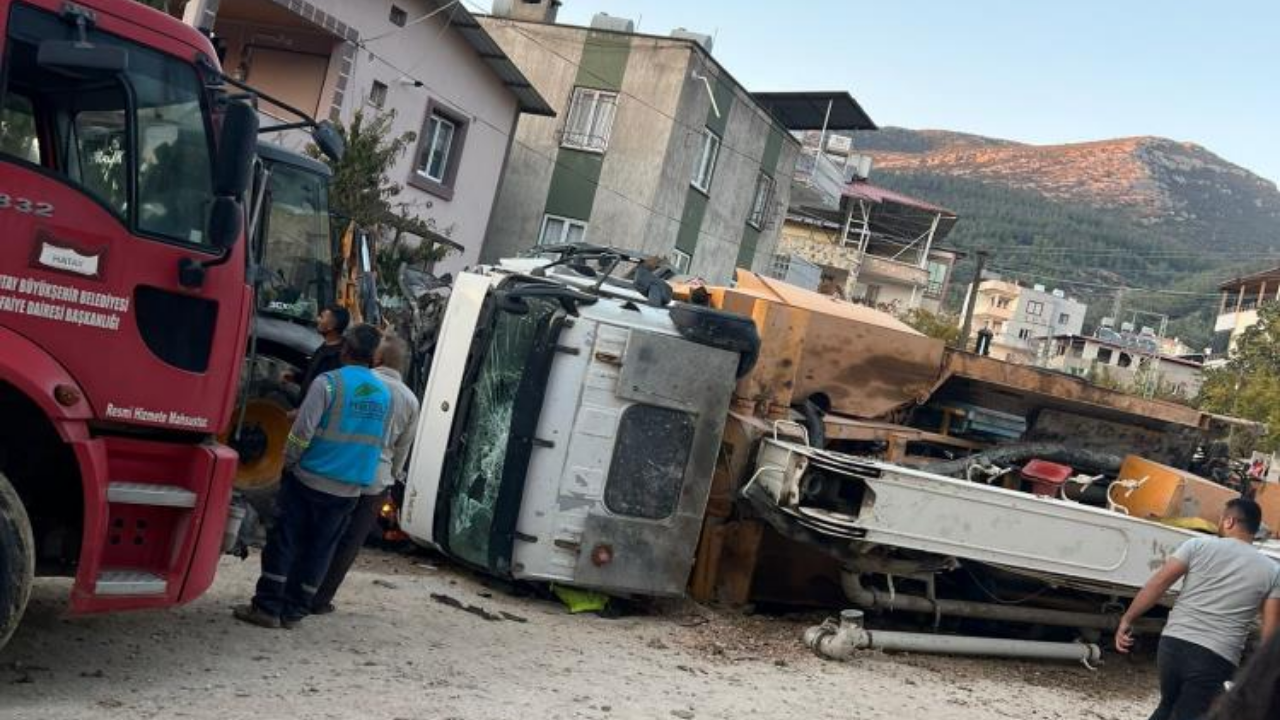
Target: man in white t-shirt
x=1226 y=582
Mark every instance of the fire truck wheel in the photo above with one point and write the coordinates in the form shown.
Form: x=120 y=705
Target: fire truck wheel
x=17 y=559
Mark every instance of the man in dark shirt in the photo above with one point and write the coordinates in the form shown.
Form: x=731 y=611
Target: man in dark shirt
x=331 y=323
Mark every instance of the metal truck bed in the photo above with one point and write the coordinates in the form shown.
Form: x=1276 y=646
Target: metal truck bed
x=857 y=504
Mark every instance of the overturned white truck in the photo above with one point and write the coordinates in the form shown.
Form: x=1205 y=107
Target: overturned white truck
x=574 y=431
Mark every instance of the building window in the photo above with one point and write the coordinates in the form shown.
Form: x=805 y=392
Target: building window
x=590 y=120
x=760 y=205
x=681 y=260
x=1000 y=301
x=439 y=155
x=1024 y=334
x=937 y=276
x=1125 y=360
x=1034 y=308
x=378 y=94
x=398 y=16
x=1063 y=319
x=706 y=167
x=1104 y=356
x=558 y=230
x=779 y=266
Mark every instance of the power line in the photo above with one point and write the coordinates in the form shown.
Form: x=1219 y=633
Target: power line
x=695 y=129
x=459 y=107
x=1105 y=286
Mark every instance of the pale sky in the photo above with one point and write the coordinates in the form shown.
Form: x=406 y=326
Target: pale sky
x=1039 y=71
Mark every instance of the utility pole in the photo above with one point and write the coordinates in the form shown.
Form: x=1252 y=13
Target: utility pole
x=1117 y=304
x=972 y=301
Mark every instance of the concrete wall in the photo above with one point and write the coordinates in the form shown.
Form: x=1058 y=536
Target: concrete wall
x=517 y=216
x=454 y=78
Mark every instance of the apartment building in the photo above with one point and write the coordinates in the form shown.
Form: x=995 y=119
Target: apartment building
x=1022 y=318
x=655 y=147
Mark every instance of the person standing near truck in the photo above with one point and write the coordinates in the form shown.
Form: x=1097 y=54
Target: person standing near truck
x=1226 y=581
x=389 y=365
x=333 y=452
x=331 y=323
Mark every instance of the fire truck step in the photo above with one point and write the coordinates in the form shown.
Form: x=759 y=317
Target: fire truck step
x=130 y=582
x=136 y=493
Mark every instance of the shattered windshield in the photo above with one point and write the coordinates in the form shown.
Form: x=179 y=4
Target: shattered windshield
x=297 y=256
x=477 y=474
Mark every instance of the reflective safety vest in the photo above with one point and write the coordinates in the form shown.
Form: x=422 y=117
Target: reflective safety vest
x=347 y=444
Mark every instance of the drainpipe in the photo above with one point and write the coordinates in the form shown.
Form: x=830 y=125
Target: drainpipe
x=840 y=641
x=872 y=599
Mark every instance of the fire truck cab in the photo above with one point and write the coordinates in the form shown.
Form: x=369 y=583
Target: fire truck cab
x=124 y=306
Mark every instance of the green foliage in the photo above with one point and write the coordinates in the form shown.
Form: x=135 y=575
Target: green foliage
x=936 y=325
x=362 y=188
x=1085 y=250
x=1249 y=385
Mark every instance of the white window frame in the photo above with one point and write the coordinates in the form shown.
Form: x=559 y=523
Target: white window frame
x=568 y=222
x=761 y=200
x=425 y=168
x=704 y=172
x=1035 y=308
x=680 y=260
x=589 y=123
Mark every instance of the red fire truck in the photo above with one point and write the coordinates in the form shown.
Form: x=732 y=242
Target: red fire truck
x=124 y=307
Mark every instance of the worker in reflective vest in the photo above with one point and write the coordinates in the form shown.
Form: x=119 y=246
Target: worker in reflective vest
x=333 y=453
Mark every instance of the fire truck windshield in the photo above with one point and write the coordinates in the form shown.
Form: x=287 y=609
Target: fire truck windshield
x=297 y=254
x=137 y=142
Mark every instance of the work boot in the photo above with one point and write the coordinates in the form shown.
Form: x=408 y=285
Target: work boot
x=254 y=616
x=324 y=609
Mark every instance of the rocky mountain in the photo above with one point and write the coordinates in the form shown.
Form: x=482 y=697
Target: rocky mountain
x=1138 y=212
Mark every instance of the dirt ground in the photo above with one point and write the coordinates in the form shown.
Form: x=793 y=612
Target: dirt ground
x=392 y=652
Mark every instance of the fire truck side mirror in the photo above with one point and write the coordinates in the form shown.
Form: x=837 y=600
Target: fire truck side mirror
x=236 y=146
x=329 y=140
x=225 y=221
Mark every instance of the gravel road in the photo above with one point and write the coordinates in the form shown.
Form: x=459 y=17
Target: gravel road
x=392 y=652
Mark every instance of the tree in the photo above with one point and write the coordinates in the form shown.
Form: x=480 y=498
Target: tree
x=936 y=325
x=362 y=188
x=363 y=192
x=1249 y=385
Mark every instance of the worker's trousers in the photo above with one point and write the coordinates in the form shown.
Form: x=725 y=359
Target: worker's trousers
x=362 y=521
x=308 y=526
x=1191 y=678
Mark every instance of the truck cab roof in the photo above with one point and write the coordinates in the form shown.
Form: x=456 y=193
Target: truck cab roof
x=277 y=154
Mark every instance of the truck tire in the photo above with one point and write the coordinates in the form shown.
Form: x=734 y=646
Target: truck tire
x=17 y=559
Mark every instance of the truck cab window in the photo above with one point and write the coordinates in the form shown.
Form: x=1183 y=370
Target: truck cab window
x=18 y=129
x=136 y=141
x=95 y=155
x=298 y=257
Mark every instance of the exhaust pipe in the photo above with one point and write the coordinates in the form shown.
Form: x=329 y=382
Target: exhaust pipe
x=842 y=640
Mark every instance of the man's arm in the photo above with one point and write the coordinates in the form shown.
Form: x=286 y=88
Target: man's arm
x=1270 y=617
x=1157 y=587
x=306 y=422
x=400 y=450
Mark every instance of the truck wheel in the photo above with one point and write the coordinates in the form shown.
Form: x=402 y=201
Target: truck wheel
x=17 y=559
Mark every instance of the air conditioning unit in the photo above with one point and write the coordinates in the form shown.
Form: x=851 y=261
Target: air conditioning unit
x=605 y=21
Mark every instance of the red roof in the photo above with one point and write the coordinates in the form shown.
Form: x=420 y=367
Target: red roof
x=863 y=190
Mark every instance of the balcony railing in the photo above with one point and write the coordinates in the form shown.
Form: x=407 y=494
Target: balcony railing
x=887 y=269
x=818 y=181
